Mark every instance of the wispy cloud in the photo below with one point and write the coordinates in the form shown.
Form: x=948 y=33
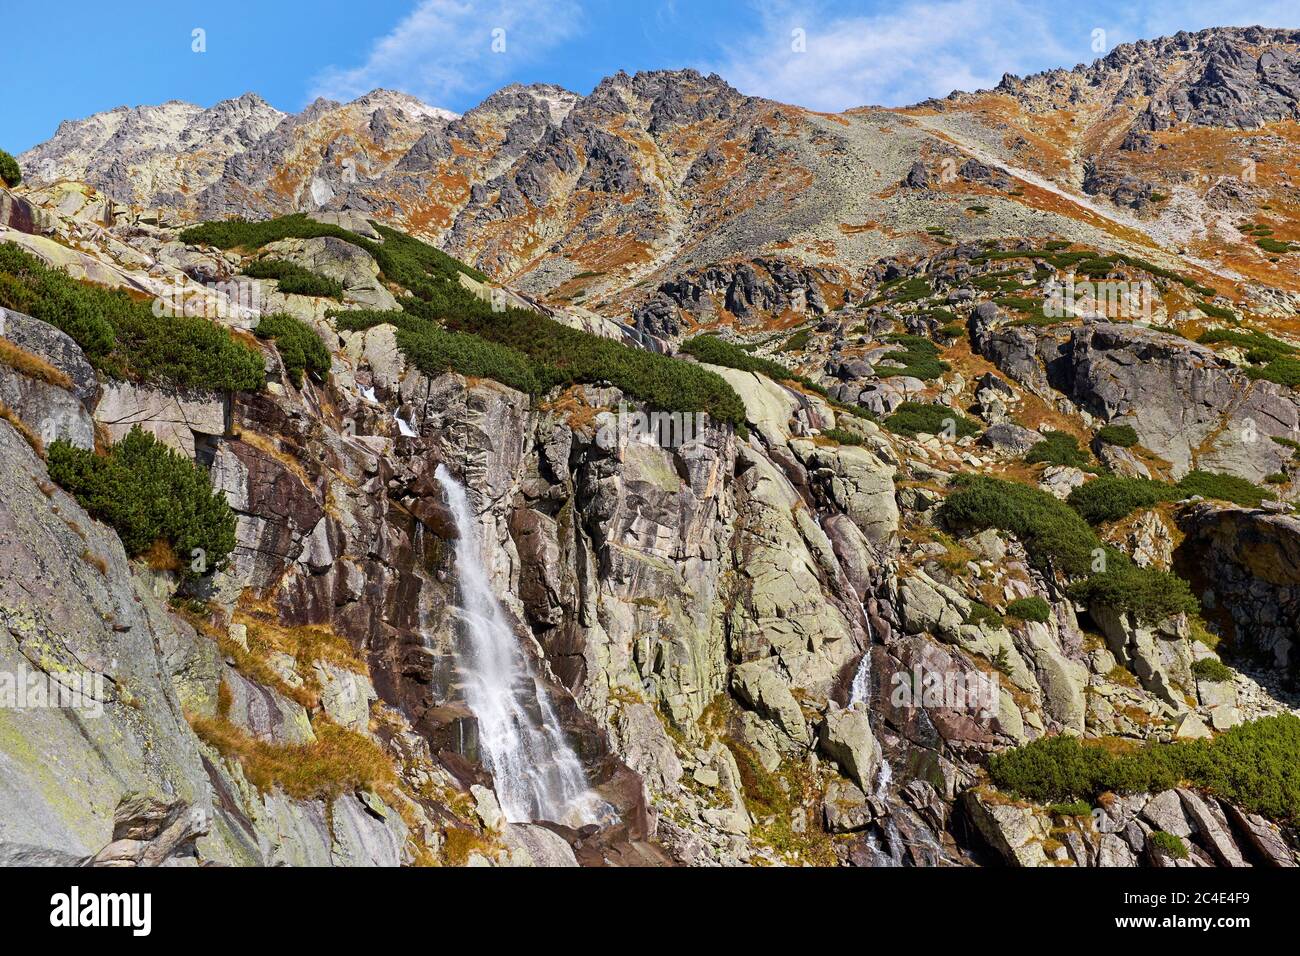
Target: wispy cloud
x=445 y=49
x=1153 y=20
x=914 y=51
x=928 y=48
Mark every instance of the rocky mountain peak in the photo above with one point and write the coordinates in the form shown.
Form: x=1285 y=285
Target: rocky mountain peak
x=1241 y=77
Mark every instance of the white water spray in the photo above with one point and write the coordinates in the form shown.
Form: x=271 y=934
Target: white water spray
x=538 y=775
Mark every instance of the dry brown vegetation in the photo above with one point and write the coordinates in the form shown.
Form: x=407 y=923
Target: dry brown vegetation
x=33 y=439
x=33 y=366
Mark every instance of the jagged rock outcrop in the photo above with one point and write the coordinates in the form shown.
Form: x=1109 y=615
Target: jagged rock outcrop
x=1190 y=406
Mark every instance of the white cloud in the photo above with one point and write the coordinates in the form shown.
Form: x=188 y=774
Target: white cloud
x=444 y=48
x=914 y=51
x=1192 y=15
x=927 y=48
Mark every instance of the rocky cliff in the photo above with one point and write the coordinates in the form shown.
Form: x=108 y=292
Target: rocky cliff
x=822 y=631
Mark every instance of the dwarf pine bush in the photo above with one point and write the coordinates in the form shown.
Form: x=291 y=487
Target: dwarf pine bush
x=121 y=336
x=1053 y=533
x=917 y=418
x=1212 y=671
x=10 y=173
x=1110 y=498
x=300 y=348
x=1251 y=766
x=1030 y=609
x=1150 y=594
x=1122 y=436
x=1059 y=448
x=293 y=279
x=149 y=493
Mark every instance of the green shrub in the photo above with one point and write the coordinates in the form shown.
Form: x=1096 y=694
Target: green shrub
x=1170 y=843
x=1059 y=448
x=435 y=351
x=1150 y=594
x=797 y=342
x=294 y=279
x=300 y=347
x=902 y=290
x=1212 y=671
x=443 y=326
x=403 y=259
x=981 y=614
x=1030 y=609
x=916 y=418
x=534 y=354
x=1283 y=371
x=1110 y=498
x=842 y=436
x=1052 y=532
x=1251 y=766
x=1121 y=436
x=1270 y=359
x=1077 y=808
x=1217 y=311
x=1275 y=245
x=149 y=493
x=918 y=358
x=1224 y=488
x=1256 y=343
x=715 y=351
x=121 y=336
x=10 y=174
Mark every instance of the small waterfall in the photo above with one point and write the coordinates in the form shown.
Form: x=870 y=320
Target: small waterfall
x=860 y=696
x=538 y=775
x=404 y=427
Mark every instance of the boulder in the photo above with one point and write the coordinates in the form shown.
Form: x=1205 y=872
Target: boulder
x=1010 y=439
x=845 y=808
x=845 y=736
x=759 y=686
x=1014 y=832
x=181 y=419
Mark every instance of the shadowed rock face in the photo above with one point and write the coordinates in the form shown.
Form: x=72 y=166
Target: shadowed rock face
x=1248 y=562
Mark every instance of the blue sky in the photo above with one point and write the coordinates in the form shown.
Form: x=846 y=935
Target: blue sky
x=852 y=54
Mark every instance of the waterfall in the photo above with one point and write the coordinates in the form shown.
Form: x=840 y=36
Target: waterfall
x=537 y=774
x=404 y=427
x=860 y=696
x=860 y=689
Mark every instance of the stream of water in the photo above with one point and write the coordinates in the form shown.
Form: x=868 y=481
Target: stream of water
x=537 y=773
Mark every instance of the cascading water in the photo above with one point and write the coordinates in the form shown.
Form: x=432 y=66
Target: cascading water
x=538 y=775
x=860 y=696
